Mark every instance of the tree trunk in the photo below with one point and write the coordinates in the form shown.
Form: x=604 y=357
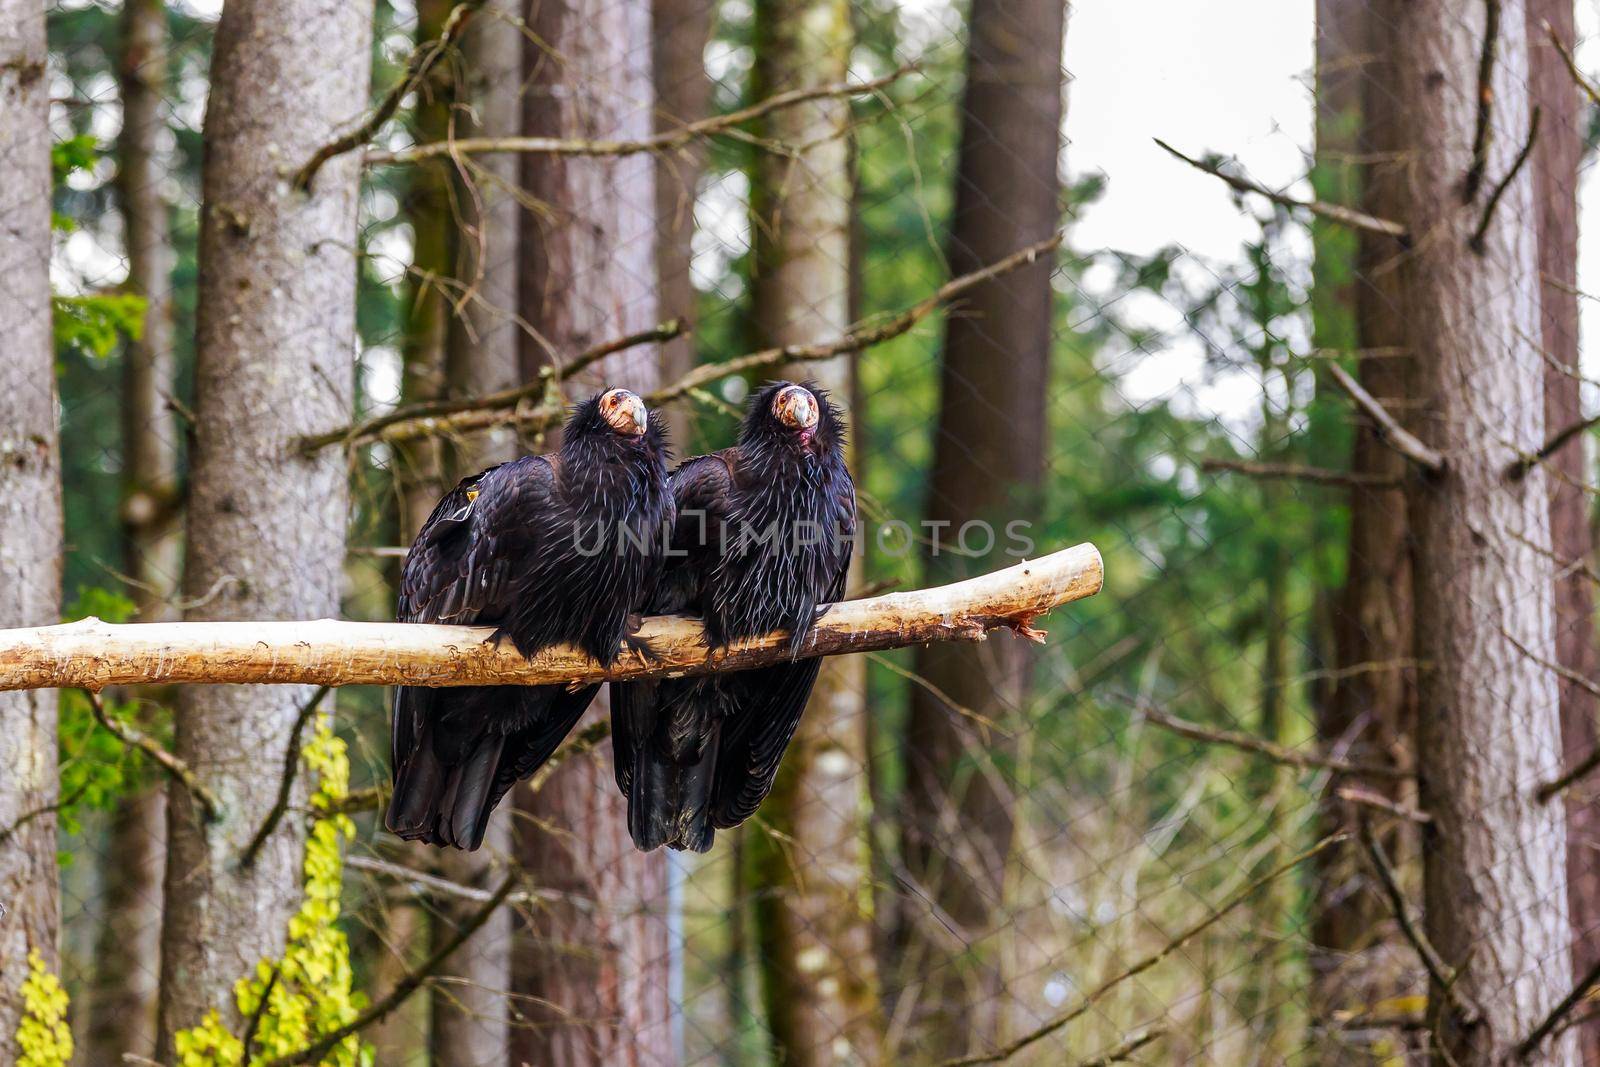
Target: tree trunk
x=122 y=1001
x=266 y=528
x=679 y=32
x=470 y=1018
x=600 y=975
x=1555 y=161
x=1371 y=707
x=30 y=506
x=989 y=453
x=1490 y=731
x=811 y=872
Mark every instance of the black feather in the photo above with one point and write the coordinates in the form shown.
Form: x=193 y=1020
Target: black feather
x=548 y=550
x=698 y=754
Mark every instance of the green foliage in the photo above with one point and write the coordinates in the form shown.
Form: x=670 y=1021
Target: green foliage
x=96 y=769
x=310 y=990
x=95 y=324
x=43 y=1037
x=79 y=152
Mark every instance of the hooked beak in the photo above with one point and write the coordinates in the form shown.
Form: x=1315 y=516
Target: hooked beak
x=624 y=412
x=797 y=409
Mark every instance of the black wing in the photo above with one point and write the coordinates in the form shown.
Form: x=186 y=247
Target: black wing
x=770 y=701
x=460 y=567
x=447 y=762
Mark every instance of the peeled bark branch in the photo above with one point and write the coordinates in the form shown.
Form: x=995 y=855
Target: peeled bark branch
x=1356 y=220
x=95 y=654
x=1389 y=429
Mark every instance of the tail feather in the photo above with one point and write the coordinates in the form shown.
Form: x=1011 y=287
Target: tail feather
x=442 y=801
x=669 y=803
x=673 y=736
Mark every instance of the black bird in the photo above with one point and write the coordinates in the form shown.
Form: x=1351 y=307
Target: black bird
x=548 y=550
x=761 y=539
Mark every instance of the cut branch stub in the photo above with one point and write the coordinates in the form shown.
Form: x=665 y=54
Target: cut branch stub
x=94 y=654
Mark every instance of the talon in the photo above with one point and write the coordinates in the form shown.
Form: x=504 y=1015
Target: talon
x=1023 y=627
x=641 y=648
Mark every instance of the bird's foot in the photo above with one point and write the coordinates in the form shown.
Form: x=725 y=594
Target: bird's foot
x=639 y=646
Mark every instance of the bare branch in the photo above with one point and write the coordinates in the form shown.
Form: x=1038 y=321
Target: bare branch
x=408 y=984
x=1442 y=975
x=1476 y=242
x=581 y=743
x=422 y=62
x=666 y=141
x=1557 y=1021
x=1295 y=472
x=425 y=883
x=1293 y=757
x=133 y=737
x=291 y=766
x=1389 y=429
x=1344 y=216
x=1588 y=87
x=430 y=416
x=40 y=812
x=1382 y=803
x=1124 y=1049
x=1582 y=769
x=480 y=413
x=1098 y=993
x=1519 y=468
x=1480 y=131
x=334 y=652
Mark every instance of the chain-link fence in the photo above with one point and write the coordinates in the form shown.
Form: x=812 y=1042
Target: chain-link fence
x=1188 y=827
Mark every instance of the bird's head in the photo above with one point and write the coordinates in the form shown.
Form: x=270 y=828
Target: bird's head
x=797 y=414
x=623 y=411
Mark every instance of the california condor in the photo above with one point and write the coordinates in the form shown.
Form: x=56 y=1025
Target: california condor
x=761 y=541
x=548 y=550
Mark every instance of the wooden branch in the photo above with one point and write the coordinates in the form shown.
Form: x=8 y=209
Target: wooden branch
x=1582 y=769
x=133 y=737
x=1382 y=803
x=291 y=767
x=1344 y=216
x=425 y=414
x=1589 y=88
x=332 y=652
x=480 y=413
x=408 y=984
x=1443 y=975
x=1480 y=130
x=422 y=62
x=1293 y=757
x=1389 y=429
x=1123 y=1050
x=427 y=884
x=1098 y=993
x=1298 y=473
x=1476 y=241
x=666 y=141
x=1557 y=1021
x=1520 y=467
